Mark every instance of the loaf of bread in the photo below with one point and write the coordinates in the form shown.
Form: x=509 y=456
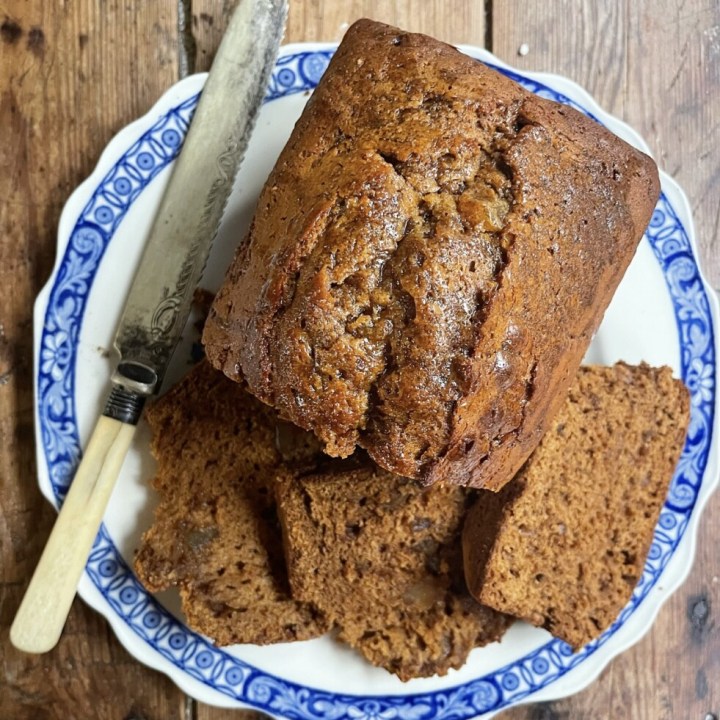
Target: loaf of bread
x=429 y=260
x=380 y=557
x=564 y=544
x=216 y=535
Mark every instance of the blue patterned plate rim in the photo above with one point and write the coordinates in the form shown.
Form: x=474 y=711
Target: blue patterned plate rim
x=87 y=226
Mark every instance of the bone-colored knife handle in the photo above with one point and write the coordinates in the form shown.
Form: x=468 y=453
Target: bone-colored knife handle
x=45 y=607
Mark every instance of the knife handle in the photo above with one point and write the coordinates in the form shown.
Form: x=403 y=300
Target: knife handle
x=46 y=604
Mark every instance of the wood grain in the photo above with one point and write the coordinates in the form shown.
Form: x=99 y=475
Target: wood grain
x=71 y=75
x=314 y=20
x=657 y=66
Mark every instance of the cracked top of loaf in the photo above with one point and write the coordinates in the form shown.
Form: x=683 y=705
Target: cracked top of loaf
x=428 y=260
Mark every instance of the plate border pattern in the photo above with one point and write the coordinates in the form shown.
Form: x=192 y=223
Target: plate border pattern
x=194 y=654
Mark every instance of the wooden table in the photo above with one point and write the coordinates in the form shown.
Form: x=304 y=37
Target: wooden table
x=73 y=73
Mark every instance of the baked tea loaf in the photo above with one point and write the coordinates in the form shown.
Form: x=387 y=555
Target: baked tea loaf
x=564 y=544
x=429 y=260
x=381 y=558
x=216 y=534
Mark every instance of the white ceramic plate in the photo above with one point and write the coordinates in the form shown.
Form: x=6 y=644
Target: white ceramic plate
x=663 y=313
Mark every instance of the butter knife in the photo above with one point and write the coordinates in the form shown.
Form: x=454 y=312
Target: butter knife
x=158 y=304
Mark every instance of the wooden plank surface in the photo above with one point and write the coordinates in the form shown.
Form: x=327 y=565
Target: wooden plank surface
x=657 y=66
x=72 y=74
x=311 y=20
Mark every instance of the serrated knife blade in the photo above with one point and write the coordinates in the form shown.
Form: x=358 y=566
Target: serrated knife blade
x=159 y=300
x=158 y=303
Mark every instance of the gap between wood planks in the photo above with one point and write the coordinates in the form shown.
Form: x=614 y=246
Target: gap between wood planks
x=187 y=48
x=488 y=39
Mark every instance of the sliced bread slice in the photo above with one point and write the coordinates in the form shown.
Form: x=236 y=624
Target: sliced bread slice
x=564 y=543
x=380 y=557
x=216 y=535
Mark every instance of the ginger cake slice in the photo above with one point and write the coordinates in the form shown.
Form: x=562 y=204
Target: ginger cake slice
x=216 y=536
x=380 y=556
x=563 y=545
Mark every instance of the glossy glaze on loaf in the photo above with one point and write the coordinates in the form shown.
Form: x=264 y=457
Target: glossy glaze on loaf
x=429 y=260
